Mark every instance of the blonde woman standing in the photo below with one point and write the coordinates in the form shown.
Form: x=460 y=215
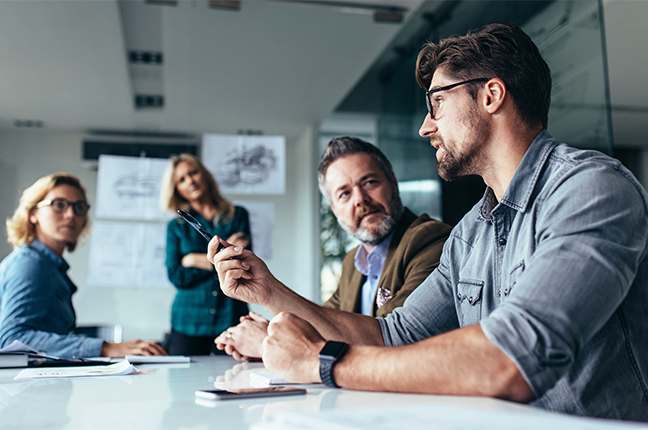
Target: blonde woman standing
x=200 y=311
x=35 y=290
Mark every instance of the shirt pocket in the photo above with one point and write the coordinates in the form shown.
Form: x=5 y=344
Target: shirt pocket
x=469 y=299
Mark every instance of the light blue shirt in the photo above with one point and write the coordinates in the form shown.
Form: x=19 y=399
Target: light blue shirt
x=36 y=304
x=371 y=265
x=556 y=274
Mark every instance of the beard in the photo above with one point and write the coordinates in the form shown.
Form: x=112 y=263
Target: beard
x=456 y=164
x=386 y=224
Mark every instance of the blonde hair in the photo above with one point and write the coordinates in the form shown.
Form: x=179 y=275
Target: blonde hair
x=20 y=230
x=171 y=200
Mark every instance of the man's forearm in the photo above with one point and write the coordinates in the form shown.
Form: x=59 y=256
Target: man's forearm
x=461 y=362
x=332 y=324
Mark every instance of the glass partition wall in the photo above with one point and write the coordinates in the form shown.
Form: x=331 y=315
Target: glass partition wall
x=387 y=106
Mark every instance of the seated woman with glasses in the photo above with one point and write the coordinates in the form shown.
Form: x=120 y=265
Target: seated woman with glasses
x=35 y=291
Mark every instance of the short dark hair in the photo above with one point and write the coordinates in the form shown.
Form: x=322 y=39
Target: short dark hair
x=501 y=51
x=343 y=146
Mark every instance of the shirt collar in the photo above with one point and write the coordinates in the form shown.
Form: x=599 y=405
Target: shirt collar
x=42 y=249
x=518 y=192
x=380 y=250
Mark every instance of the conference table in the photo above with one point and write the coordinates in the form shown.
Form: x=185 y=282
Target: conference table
x=161 y=396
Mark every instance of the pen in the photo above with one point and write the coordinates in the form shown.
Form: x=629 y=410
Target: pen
x=196 y=225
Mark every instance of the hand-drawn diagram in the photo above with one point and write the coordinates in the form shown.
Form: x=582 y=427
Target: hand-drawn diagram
x=128 y=255
x=246 y=164
x=129 y=188
x=132 y=187
x=249 y=166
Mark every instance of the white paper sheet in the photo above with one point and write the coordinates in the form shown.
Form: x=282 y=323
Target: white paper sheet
x=147 y=359
x=246 y=164
x=128 y=255
x=268 y=378
x=18 y=346
x=129 y=188
x=261 y=225
x=121 y=368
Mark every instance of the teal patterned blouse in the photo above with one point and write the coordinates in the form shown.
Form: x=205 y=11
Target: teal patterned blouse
x=200 y=308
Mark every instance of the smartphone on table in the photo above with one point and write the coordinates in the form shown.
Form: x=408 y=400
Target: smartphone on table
x=249 y=393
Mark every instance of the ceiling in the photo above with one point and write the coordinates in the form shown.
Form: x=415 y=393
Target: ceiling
x=272 y=67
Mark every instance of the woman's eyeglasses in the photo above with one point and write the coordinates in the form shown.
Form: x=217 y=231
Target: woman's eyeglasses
x=60 y=205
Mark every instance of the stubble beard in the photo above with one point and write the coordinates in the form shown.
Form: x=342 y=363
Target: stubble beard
x=386 y=224
x=454 y=165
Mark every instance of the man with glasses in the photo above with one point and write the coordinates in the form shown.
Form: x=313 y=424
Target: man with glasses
x=541 y=292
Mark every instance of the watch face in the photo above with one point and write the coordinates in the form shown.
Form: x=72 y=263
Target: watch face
x=333 y=349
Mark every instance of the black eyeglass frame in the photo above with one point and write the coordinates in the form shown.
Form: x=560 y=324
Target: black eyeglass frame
x=428 y=100
x=83 y=211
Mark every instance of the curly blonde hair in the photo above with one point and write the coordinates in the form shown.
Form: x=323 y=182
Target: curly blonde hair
x=171 y=200
x=20 y=230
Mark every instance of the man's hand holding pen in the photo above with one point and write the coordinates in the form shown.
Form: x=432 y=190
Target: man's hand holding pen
x=242 y=274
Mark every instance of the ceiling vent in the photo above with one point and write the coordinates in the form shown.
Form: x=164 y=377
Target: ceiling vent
x=137 y=145
x=142 y=27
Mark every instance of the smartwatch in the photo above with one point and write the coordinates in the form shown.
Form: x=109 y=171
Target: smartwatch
x=328 y=356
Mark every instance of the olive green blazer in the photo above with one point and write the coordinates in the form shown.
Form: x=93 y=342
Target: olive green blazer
x=413 y=254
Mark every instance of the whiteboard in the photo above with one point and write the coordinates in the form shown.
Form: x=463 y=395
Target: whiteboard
x=128 y=255
x=129 y=188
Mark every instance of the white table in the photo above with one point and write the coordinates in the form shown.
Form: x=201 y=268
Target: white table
x=162 y=397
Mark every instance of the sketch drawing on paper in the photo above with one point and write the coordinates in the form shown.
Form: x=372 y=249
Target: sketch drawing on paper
x=129 y=187
x=134 y=187
x=248 y=166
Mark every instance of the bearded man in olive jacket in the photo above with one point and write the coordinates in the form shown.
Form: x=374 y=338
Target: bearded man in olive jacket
x=398 y=250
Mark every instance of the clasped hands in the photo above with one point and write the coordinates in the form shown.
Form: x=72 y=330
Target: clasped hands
x=289 y=344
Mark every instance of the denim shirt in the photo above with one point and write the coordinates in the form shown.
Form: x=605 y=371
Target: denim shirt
x=556 y=274
x=36 y=304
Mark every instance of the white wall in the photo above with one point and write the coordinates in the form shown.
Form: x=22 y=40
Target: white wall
x=144 y=312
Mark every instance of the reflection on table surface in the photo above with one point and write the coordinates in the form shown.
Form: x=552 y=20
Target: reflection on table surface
x=162 y=396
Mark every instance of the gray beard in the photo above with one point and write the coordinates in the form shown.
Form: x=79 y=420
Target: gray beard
x=387 y=224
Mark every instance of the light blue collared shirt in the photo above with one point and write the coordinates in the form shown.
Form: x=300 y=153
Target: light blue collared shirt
x=36 y=304
x=371 y=265
x=556 y=274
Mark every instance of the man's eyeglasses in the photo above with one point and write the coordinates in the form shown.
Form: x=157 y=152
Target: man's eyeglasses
x=60 y=205
x=432 y=105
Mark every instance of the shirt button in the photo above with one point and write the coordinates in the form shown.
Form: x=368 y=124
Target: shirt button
x=502 y=241
x=214 y=293
x=212 y=311
x=375 y=277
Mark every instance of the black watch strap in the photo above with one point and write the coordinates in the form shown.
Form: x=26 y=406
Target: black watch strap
x=328 y=356
x=326 y=373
